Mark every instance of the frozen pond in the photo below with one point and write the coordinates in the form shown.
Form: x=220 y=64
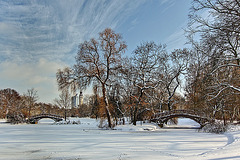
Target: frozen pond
x=86 y=141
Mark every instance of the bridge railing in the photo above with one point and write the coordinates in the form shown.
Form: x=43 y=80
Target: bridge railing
x=187 y=112
x=36 y=118
x=45 y=115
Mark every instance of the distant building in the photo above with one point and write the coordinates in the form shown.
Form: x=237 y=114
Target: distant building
x=77 y=100
x=80 y=98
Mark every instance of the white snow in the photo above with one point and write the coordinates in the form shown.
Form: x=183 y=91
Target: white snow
x=86 y=141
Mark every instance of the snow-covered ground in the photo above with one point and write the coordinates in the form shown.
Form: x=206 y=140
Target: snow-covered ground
x=86 y=141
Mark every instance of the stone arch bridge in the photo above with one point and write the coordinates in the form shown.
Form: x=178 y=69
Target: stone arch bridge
x=36 y=118
x=163 y=117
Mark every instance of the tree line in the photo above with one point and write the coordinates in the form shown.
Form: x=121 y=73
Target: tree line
x=204 y=77
x=148 y=80
x=16 y=108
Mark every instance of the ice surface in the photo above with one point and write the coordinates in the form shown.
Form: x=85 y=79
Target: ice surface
x=86 y=141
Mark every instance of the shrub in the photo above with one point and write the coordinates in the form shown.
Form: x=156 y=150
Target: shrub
x=15 y=118
x=216 y=127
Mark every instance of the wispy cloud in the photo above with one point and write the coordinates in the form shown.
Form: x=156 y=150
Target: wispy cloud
x=36 y=37
x=168 y=4
x=39 y=36
x=176 y=40
x=53 y=29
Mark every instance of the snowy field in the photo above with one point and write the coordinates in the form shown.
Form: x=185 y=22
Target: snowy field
x=85 y=141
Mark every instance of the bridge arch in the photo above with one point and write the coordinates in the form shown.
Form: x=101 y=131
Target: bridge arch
x=36 y=118
x=163 y=117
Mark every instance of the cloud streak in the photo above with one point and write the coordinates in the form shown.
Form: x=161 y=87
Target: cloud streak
x=53 y=29
x=38 y=37
x=177 y=39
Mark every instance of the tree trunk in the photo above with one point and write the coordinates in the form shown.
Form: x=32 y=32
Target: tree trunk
x=65 y=114
x=104 y=92
x=169 y=105
x=224 y=118
x=135 y=116
x=29 y=111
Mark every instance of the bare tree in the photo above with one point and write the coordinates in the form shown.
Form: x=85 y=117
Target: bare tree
x=64 y=101
x=96 y=61
x=31 y=98
x=11 y=105
x=143 y=71
x=219 y=34
x=220 y=38
x=171 y=72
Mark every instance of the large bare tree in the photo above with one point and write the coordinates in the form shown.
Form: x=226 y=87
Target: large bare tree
x=219 y=44
x=220 y=39
x=171 y=73
x=96 y=61
x=142 y=73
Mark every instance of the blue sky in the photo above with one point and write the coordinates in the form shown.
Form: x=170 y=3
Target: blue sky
x=37 y=37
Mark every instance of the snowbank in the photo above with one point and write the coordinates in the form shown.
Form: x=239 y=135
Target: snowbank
x=3 y=120
x=138 y=127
